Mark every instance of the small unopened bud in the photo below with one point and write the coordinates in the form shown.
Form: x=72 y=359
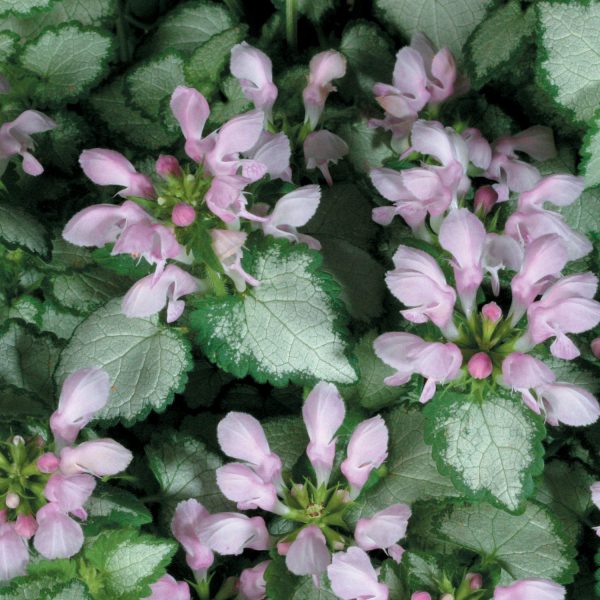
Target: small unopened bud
x=183 y=214
x=492 y=312
x=26 y=526
x=596 y=347
x=12 y=500
x=485 y=198
x=18 y=440
x=168 y=165
x=421 y=596
x=283 y=547
x=447 y=597
x=480 y=365
x=475 y=580
x=48 y=462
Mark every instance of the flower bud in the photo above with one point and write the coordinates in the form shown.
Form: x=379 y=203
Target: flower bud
x=183 y=214
x=485 y=198
x=596 y=347
x=12 y=500
x=48 y=462
x=492 y=312
x=420 y=596
x=168 y=165
x=480 y=366
x=475 y=580
x=26 y=526
x=18 y=440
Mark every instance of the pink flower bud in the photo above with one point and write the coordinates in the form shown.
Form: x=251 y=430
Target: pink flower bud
x=596 y=347
x=283 y=548
x=480 y=366
x=475 y=580
x=12 y=500
x=420 y=596
x=26 y=526
x=492 y=312
x=447 y=597
x=485 y=198
x=167 y=166
x=183 y=214
x=48 y=462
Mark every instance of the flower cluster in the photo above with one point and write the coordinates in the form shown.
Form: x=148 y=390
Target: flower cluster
x=198 y=216
x=44 y=489
x=535 y=244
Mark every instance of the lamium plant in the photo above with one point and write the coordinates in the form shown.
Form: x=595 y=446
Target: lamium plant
x=299 y=300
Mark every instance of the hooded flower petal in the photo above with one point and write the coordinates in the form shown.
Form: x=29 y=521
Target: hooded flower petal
x=191 y=111
x=230 y=533
x=274 y=152
x=167 y=588
x=14 y=554
x=324 y=68
x=353 y=577
x=383 y=529
x=103 y=223
x=419 y=283
x=254 y=70
x=57 y=536
x=463 y=235
x=560 y=190
x=480 y=151
x=252 y=582
x=321 y=148
x=108 y=167
x=186 y=521
x=323 y=414
x=500 y=252
x=530 y=589
x=367 y=450
x=241 y=436
x=569 y=404
x=99 y=457
x=150 y=294
x=536 y=141
x=241 y=484
x=69 y=492
x=83 y=394
x=308 y=553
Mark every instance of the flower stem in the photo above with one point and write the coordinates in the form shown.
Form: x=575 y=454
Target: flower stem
x=291 y=23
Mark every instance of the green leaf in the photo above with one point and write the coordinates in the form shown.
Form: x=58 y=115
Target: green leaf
x=287 y=438
x=189 y=26
x=112 y=507
x=19 y=229
x=590 y=154
x=27 y=360
x=281 y=583
x=18 y=404
x=447 y=24
x=66 y=256
x=46 y=587
x=411 y=472
x=565 y=490
x=122 y=264
x=63 y=144
x=147 y=361
x=287 y=329
x=128 y=123
x=28 y=309
x=367 y=145
x=497 y=41
x=205 y=66
x=84 y=291
x=58 y=321
x=151 y=83
x=568 y=42
x=185 y=468
x=7 y=44
x=528 y=545
x=68 y=59
x=129 y=562
x=236 y=103
x=23 y=7
x=370 y=57
x=205 y=383
x=492 y=449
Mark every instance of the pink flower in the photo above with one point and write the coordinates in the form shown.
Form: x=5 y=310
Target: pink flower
x=560 y=190
x=252 y=582
x=492 y=312
x=480 y=153
x=595 y=491
x=568 y=404
x=408 y=354
x=308 y=553
x=191 y=110
x=108 y=167
x=254 y=70
x=71 y=492
x=324 y=68
x=15 y=138
x=26 y=526
x=185 y=524
x=230 y=533
x=14 y=554
x=353 y=577
x=167 y=588
x=83 y=394
x=291 y=211
x=241 y=484
x=167 y=166
x=367 y=450
x=227 y=245
x=528 y=589
x=183 y=214
x=485 y=199
x=383 y=529
x=99 y=457
x=225 y=198
x=57 y=536
x=480 y=366
x=419 y=283
x=543 y=262
x=500 y=252
x=595 y=347
x=566 y=307
x=274 y=152
x=463 y=235
x=149 y=295
x=103 y=223
x=321 y=148
x=241 y=436
x=48 y=462
x=323 y=414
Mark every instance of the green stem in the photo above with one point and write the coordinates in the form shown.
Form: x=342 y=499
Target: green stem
x=291 y=23
x=217 y=284
x=121 y=33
